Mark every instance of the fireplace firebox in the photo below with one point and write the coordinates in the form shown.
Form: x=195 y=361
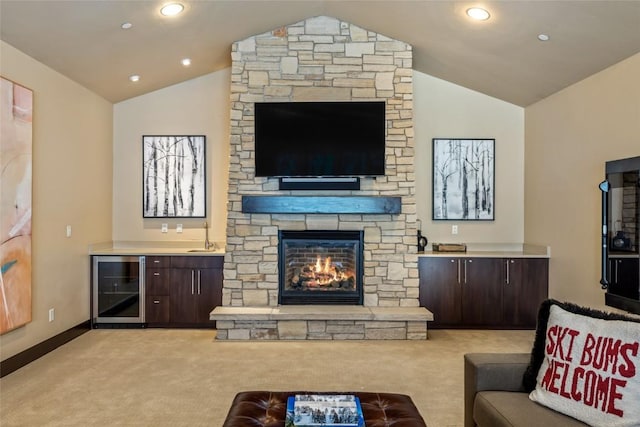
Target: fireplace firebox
x=320 y=267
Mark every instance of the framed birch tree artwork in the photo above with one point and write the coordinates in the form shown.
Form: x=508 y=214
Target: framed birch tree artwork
x=463 y=179
x=173 y=176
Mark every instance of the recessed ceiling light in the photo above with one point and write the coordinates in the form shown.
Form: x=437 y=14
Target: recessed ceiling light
x=134 y=78
x=171 y=9
x=126 y=25
x=478 y=13
x=186 y=62
x=543 y=37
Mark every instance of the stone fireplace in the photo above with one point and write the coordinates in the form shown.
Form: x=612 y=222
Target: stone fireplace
x=322 y=59
x=320 y=267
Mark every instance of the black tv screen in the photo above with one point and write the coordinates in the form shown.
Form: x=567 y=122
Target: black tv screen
x=313 y=139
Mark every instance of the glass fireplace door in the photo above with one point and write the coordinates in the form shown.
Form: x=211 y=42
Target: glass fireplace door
x=320 y=267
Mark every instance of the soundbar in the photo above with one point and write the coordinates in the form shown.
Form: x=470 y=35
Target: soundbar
x=320 y=183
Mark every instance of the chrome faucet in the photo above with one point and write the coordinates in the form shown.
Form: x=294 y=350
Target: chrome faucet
x=207 y=244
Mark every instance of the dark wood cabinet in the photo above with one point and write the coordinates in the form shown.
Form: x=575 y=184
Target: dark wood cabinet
x=197 y=289
x=157 y=310
x=525 y=288
x=624 y=273
x=483 y=292
x=440 y=289
x=185 y=293
x=157 y=282
x=182 y=290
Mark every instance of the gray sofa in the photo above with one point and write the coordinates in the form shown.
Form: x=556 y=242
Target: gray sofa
x=494 y=395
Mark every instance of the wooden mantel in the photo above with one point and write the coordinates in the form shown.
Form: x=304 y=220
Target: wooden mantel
x=321 y=204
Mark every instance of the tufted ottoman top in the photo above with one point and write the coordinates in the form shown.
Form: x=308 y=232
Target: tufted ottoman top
x=269 y=408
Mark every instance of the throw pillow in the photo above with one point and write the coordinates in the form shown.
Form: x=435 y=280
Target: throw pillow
x=587 y=365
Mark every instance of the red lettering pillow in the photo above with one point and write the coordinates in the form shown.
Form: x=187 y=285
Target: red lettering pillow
x=590 y=369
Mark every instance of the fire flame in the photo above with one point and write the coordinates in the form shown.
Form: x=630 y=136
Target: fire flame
x=326 y=272
x=327 y=266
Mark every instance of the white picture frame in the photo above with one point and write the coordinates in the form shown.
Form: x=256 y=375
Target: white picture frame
x=463 y=179
x=174 y=176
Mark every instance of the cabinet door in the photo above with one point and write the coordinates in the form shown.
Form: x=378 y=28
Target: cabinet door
x=481 y=291
x=624 y=277
x=209 y=295
x=196 y=289
x=440 y=289
x=183 y=296
x=525 y=286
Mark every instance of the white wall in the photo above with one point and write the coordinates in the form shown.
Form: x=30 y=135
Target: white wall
x=570 y=135
x=446 y=110
x=201 y=106
x=72 y=165
x=87 y=172
x=195 y=107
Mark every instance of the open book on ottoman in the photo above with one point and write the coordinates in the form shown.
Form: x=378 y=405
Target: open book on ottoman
x=327 y=410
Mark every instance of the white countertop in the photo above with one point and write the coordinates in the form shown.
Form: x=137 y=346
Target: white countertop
x=495 y=250
x=196 y=248
x=189 y=248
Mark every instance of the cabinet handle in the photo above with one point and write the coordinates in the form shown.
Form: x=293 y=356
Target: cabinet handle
x=617 y=261
x=507 y=272
x=156 y=274
x=458 y=271
x=155 y=301
x=156 y=261
x=198 y=282
x=192 y=281
x=465 y=270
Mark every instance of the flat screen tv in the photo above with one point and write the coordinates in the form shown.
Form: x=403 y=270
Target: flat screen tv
x=319 y=139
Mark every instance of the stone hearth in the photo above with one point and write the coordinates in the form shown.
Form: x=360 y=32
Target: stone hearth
x=322 y=59
x=310 y=322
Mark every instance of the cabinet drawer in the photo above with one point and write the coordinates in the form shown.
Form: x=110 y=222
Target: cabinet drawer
x=157 y=281
x=197 y=262
x=158 y=261
x=157 y=309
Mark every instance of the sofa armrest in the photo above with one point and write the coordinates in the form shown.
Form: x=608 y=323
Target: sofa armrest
x=491 y=371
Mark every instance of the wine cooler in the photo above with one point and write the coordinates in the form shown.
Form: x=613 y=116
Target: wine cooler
x=118 y=290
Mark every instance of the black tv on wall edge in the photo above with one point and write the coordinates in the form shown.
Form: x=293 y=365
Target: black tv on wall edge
x=319 y=139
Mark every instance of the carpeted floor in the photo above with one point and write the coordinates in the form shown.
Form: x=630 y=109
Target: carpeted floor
x=169 y=377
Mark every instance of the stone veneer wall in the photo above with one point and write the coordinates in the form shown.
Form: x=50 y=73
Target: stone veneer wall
x=322 y=59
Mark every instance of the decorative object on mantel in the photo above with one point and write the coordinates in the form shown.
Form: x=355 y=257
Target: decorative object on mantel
x=449 y=247
x=15 y=204
x=463 y=179
x=174 y=176
x=321 y=204
x=422 y=240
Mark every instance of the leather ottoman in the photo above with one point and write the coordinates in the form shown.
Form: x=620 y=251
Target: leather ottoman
x=269 y=408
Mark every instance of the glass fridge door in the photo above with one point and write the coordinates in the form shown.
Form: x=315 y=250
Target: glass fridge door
x=118 y=289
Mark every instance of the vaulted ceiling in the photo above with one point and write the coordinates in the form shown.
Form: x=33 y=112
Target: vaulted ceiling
x=501 y=57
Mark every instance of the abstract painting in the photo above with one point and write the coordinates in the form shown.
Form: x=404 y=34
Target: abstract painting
x=463 y=179
x=16 y=113
x=173 y=180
